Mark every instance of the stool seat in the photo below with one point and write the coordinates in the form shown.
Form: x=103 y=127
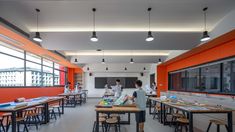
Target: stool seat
x=111 y=120
x=103 y=115
x=114 y=115
x=218 y=122
x=177 y=115
x=101 y=119
x=182 y=120
x=6 y=114
x=55 y=106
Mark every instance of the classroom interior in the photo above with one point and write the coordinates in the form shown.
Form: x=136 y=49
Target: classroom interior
x=117 y=66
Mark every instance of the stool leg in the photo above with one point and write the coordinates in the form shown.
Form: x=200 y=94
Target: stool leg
x=59 y=111
x=226 y=126
x=218 y=128
x=208 y=128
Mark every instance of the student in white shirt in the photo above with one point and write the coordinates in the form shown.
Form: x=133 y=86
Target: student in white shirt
x=117 y=89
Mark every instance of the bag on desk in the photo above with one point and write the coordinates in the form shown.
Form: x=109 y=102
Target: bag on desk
x=20 y=100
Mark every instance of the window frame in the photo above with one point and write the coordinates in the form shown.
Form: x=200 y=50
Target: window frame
x=25 y=61
x=221 y=72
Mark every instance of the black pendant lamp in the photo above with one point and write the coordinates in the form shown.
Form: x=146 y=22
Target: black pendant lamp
x=144 y=68
x=94 y=38
x=205 y=35
x=106 y=68
x=87 y=68
x=159 y=61
x=37 y=37
x=103 y=60
x=125 y=69
x=131 y=61
x=150 y=36
x=75 y=60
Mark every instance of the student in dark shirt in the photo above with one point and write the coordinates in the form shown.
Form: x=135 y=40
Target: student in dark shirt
x=139 y=97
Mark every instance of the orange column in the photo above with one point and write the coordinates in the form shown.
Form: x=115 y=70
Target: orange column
x=162 y=79
x=71 y=77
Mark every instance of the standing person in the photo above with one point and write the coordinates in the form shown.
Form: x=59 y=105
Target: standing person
x=139 y=97
x=154 y=87
x=117 y=89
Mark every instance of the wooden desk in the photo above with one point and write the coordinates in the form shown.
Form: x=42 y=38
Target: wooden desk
x=45 y=101
x=73 y=102
x=116 y=110
x=192 y=109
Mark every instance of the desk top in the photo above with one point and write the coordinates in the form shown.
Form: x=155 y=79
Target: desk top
x=12 y=106
x=192 y=107
x=70 y=94
x=118 y=109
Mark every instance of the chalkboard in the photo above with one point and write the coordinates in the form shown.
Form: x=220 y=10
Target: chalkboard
x=126 y=82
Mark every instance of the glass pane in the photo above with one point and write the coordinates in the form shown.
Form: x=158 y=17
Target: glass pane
x=33 y=74
x=11 y=71
x=59 y=67
x=193 y=80
x=59 y=77
x=47 y=76
x=228 y=77
x=47 y=62
x=178 y=81
x=11 y=50
x=210 y=78
x=34 y=58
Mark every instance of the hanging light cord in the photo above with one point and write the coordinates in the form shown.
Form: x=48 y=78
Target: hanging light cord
x=205 y=11
x=37 y=10
x=94 y=18
x=149 y=9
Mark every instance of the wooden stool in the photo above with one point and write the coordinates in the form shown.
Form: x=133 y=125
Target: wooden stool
x=113 y=121
x=52 y=113
x=180 y=122
x=217 y=123
x=156 y=111
x=6 y=119
x=32 y=115
x=1 y=124
x=103 y=125
x=175 y=116
x=19 y=120
x=103 y=115
x=58 y=109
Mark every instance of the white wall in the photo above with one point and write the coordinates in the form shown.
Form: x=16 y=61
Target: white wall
x=115 y=70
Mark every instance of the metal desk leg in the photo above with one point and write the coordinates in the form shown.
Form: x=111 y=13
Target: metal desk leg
x=46 y=113
x=190 y=121
x=97 y=121
x=164 y=114
x=63 y=106
x=80 y=99
x=150 y=107
x=137 y=127
x=13 y=118
x=74 y=101
x=230 y=121
x=161 y=112
x=129 y=118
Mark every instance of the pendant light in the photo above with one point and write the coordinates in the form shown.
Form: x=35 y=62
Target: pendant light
x=75 y=60
x=205 y=35
x=106 y=68
x=144 y=68
x=159 y=61
x=87 y=68
x=150 y=36
x=125 y=68
x=94 y=38
x=103 y=60
x=37 y=37
x=131 y=61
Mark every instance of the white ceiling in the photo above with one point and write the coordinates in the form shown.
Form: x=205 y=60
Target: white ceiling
x=121 y=24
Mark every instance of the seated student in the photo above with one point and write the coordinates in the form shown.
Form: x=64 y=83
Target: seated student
x=139 y=96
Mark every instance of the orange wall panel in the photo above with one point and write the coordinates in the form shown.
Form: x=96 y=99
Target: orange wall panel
x=219 y=51
x=10 y=94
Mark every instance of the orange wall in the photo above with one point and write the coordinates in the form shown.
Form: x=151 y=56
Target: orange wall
x=71 y=72
x=217 y=52
x=9 y=94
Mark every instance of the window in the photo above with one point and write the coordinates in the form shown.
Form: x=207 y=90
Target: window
x=47 y=79
x=19 y=69
x=210 y=78
x=216 y=77
x=33 y=74
x=193 y=80
x=178 y=81
x=11 y=71
x=229 y=77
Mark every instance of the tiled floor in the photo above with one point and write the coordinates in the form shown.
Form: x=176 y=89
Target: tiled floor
x=81 y=118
